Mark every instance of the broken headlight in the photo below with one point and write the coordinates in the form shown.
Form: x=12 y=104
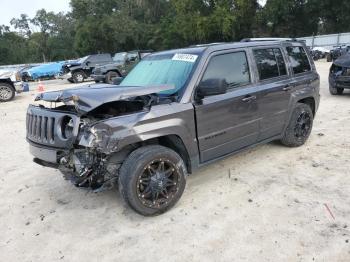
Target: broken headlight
x=67 y=127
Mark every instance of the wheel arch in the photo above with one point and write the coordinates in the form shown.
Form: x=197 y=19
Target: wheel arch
x=7 y=81
x=310 y=101
x=114 y=70
x=79 y=70
x=171 y=141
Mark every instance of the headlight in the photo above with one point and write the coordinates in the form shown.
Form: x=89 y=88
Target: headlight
x=18 y=76
x=13 y=78
x=67 y=127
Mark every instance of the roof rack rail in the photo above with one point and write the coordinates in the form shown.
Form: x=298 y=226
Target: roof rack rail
x=268 y=39
x=209 y=44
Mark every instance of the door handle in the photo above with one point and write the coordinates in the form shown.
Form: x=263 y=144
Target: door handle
x=249 y=98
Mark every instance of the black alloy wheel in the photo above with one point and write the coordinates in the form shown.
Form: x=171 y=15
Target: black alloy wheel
x=152 y=179
x=158 y=183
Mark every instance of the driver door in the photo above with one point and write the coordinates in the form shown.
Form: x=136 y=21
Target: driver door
x=230 y=121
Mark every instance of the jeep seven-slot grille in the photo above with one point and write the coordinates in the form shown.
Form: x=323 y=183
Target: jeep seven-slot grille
x=41 y=128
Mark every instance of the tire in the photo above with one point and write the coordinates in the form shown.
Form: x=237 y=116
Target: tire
x=97 y=81
x=110 y=77
x=335 y=90
x=299 y=127
x=78 y=77
x=140 y=182
x=7 y=92
x=329 y=58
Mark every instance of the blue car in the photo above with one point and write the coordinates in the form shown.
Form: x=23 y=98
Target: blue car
x=49 y=70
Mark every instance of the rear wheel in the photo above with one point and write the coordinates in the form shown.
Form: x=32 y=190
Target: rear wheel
x=7 y=92
x=152 y=179
x=110 y=77
x=299 y=127
x=336 y=90
x=78 y=77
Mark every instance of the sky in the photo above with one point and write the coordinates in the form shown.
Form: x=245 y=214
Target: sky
x=14 y=8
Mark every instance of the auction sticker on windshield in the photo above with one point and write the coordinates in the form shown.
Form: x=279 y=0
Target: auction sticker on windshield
x=185 y=57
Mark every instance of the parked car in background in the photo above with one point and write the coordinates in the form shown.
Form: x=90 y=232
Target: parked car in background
x=10 y=84
x=319 y=53
x=176 y=111
x=337 y=52
x=79 y=70
x=339 y=75
x=122 y=64
x=43 y=71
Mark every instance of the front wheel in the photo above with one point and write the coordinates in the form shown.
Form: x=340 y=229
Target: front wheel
x=299 y=127
x=7 y=92
x=78 y=77
x=152 y=179
x=110 y=76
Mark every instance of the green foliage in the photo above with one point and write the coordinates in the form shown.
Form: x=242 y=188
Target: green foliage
x=95 y=26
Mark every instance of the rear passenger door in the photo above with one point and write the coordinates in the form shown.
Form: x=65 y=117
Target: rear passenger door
x=227 y=122
x=303 y=68
x=275 y=90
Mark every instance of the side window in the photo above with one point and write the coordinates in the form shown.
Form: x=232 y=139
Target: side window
x=270 y=63
x=101 y=58
x=232 y=67
x=299 y=60
x=280 y=61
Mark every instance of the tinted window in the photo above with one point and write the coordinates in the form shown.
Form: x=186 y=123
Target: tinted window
x=232 y=67
x=280 y=61
x=270 y=63
x=100 y=58
x=298 y=58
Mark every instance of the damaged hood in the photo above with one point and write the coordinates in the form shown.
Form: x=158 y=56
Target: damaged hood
x=87 y=98
x=343 y=61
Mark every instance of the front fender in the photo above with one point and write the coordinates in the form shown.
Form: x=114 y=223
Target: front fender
x=114 y=134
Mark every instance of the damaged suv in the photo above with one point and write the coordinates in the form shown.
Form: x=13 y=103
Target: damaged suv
x=174 y=112
x=339 y=75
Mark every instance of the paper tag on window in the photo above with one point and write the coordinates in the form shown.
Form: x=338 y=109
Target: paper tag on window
x=185 y=57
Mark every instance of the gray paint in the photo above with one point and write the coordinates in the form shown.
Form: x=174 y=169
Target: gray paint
x=218 y=125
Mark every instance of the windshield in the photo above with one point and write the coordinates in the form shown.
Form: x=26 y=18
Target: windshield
x=82 y=60
x=119 y=57
x=173 y=70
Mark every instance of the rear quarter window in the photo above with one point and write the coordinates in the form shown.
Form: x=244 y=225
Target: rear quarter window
x=270 y=63
x=299 y=60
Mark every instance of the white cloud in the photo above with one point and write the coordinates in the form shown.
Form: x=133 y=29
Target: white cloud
x=14 y=8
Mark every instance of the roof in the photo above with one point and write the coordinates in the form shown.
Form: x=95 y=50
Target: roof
x=200 y=49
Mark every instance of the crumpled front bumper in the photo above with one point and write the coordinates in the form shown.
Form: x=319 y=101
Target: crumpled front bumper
x=339 y=81
x=44 y=154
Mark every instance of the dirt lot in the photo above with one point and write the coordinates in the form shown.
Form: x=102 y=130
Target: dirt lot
x=271 y=208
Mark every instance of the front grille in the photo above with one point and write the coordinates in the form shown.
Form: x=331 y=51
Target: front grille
x=44 y=126
x=41 y=128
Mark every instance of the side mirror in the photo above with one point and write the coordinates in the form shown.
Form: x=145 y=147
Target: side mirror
x=211 y=87
x=87 y=63
x=117 y=80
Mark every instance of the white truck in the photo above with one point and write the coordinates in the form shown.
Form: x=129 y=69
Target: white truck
x=10 y=84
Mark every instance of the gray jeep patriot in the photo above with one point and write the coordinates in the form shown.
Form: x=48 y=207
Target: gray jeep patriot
x=174 y=112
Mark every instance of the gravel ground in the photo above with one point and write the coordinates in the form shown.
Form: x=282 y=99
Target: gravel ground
x=266 y=204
